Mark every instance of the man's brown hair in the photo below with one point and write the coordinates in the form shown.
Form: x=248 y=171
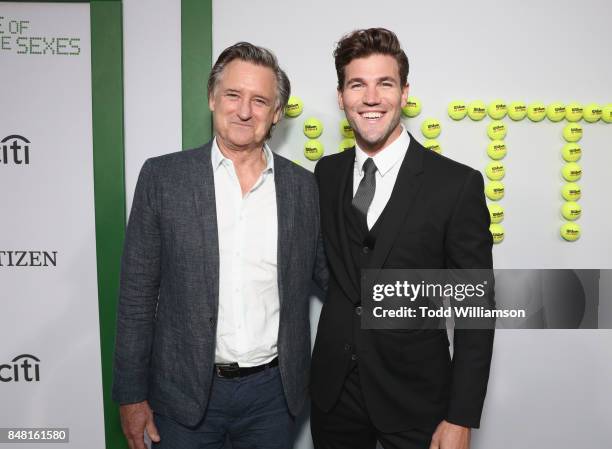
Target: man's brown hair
x=363 y=43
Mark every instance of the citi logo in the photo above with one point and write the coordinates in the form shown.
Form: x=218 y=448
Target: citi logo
x=23 y=368
x=15 y=149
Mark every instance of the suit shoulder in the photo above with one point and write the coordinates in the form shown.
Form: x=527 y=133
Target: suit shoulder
x=177 y=158
x=298 y=172
x=445 y=165
x=333 y=161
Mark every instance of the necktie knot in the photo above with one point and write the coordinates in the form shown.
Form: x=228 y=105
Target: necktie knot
x=365 y=192
x=369 y=167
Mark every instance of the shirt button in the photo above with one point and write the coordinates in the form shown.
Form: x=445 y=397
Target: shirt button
x=358 y=310
x=347 y=347
x=354 y=357
x=365 y=250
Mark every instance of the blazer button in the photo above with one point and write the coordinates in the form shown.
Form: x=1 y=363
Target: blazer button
x=365 y=250
x=354 y=357
x=347 y=347
x=358 y=310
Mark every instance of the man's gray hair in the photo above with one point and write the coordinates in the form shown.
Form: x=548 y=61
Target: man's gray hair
x=248 y=52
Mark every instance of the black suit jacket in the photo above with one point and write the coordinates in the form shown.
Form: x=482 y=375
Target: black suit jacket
x=436 y=218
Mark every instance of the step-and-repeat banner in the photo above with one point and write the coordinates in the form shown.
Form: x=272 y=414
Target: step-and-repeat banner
x=49 y=329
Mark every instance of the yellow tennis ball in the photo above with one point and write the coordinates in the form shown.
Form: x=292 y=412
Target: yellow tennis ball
x=571 y=210
x=572 y=132
x=570 y=231
x=497 y=109
x=495 y=170
x=573 y=112
x=313 y=150
x=495 y=190
x=313 y=128
x=536 y=112
x=571 y=192
x=433 y=145
x=345 y=144
x=477 y=110
x=571 y=172
x=498 y=232
x=496 y=150
x=555 y=112
x=496 y=212
x=431 y=128
x=592 y=113
x=606 y=113
x=517 y=110
x=412 y=108
x=346 y=130
x=294 y=106
x=571 y=152
x=457 y=110
x=496 y=130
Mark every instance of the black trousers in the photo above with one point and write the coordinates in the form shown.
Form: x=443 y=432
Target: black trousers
x=348 y=424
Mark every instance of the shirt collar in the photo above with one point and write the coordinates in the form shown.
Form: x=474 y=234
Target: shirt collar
x=219 y=159
x=386 y=159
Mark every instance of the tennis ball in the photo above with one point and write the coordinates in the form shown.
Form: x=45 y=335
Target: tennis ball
x=495 y=170
x=433 y=145
x=571 y=210
x=457 y=110
x=313 y=128
x=345 y=129
x=412 y=108
x=496 y=212
x=570 y=231
x=345 y=144
x=496 y=130
x=431 y=128
x=555 y=112
x=572 y=132
x=573 y=112
x=294 y=106
x=496 y=149
x=477 y=110
x=498 y=232
x=313 y=150
x=606 y=113
x=571 y=172
x=497 y=109
x=571 y=192
x=517 y=110
x=494 y=190
x=571 y=152
x=536 y=112
x=592 y=113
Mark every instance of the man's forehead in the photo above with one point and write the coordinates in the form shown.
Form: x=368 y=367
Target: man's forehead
x=239 y=70
x=372 y=66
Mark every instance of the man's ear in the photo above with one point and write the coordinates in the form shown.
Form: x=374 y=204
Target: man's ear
x=405 y=91
x=211 y=101
x=340 y=102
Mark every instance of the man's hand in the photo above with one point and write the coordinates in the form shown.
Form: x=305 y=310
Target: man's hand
x=135 y=418
x=450 y=436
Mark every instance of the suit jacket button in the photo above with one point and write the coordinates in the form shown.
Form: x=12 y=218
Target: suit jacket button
x=354 y=357
x=358 y=310
x=365 y=250
x=212 y=321
x=347 y=347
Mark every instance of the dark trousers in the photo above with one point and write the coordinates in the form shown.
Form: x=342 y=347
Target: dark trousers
x=251 y=412
x=348 y=425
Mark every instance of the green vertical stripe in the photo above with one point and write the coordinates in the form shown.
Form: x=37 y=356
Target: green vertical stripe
x=109 y=185
x=196 y=61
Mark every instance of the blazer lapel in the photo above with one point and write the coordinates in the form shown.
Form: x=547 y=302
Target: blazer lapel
x=405 y=191
x=286 y=198
x=205 y=204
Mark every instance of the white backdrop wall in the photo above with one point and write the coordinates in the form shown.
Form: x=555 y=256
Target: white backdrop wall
x=49 y=296
x=547 y=388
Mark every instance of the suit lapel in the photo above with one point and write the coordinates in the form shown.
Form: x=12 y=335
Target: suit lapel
x=346 y=277
x=286 y=198
x=405 y=191
x=204 y=201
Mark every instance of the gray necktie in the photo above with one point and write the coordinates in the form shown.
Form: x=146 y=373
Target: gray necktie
x=365 y=192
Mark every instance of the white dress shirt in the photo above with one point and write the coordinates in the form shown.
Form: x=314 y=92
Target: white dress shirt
x=247 y=325
x=388 y=162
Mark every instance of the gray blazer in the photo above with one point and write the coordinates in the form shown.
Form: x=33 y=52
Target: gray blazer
x=169 y=293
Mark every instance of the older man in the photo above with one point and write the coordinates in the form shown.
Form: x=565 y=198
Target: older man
x=223 y=241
